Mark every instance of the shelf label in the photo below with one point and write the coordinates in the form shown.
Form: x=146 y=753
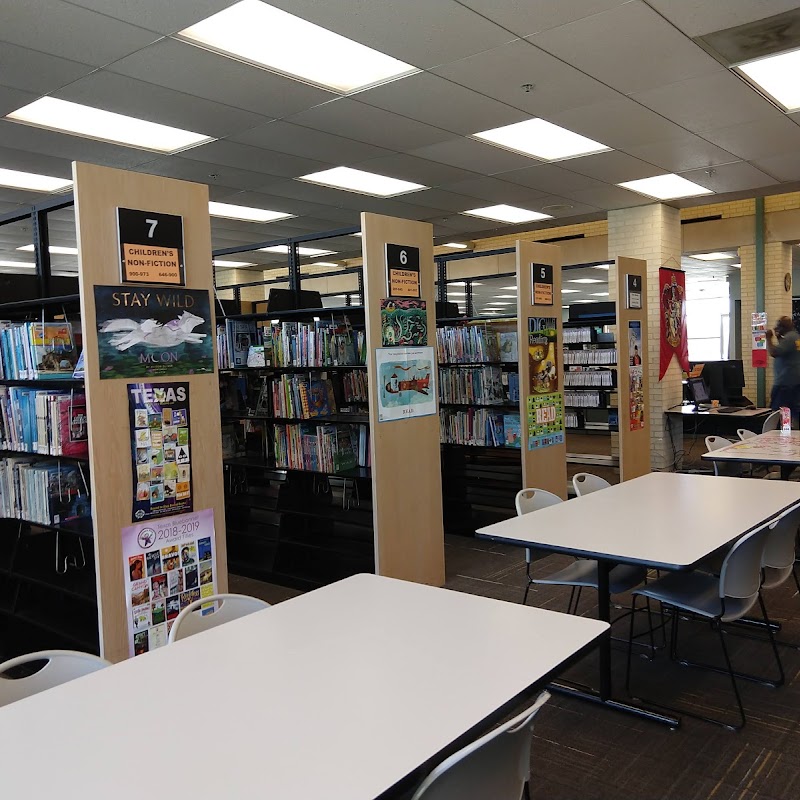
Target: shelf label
x=634 y=291
x=150 y=247
x=542 y=284
x=402 y=270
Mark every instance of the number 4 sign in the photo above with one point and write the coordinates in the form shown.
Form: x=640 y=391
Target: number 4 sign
x=150 y=247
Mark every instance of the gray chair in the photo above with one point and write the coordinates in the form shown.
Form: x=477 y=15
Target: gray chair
x=586 y=483
x=732 y=470
x=772 y=422
x=495 y=767
x=718 y=599
x=744 y=434
x=581 y=573
x=209 y=612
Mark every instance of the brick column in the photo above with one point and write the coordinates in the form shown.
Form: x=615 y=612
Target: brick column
x=653 y=233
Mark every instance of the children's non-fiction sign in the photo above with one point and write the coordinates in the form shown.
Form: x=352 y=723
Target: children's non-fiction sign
x=402 y=270
x=161 y=449
x=150 y=247
x=545 y=420
x=404 y=323
x=633 y=291
x=406 y=382
x=635 y=375
x=542 y=284
x=542 y=354
x=149 y=332
x=168 y=564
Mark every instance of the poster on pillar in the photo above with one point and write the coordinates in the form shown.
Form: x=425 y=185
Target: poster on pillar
x=672 y=307
x=759 y=339
x=635 y=375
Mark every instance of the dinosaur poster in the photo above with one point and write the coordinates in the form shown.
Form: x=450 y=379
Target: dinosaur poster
x=150 y=332
x=160 y=449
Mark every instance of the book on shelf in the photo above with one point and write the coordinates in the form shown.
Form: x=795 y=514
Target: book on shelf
x=240 y=335
x=480 y=427
x=508 y=347
x=590 y=378
x=37 y=350
x=469 y=344
x=481 y=385
x=320 y=448
x=601 y=357
x=513 y=430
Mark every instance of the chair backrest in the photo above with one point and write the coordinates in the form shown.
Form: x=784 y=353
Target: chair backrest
x=60 y=666
x=743 y=433
x=779 y=550
x=586 y=483
x=716 y=443
x=772 y=422
x=208 y=612
x=740 y=576
x=528 y=500
x=495 y=766
x=732 y=470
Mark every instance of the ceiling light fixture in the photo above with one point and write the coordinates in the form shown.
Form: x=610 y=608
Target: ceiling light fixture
x=599 y=294
x=585 y=280
x=570 y=291
x=666 y=187
x=504 y=213
x=362 y=182
x=303 y=251
x=55 y=250
x=542 y=139
x=95 y=123
x=268 y=37
x=605 y=267
x=245 y=213
x=456 y=245
x=218 y=262
x=776 y=76
x=506 y=296
x=14 y=179
x=324 y=264
x=464 y=283
x=17 y=264
x=712 y=256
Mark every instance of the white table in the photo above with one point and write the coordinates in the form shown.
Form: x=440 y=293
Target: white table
x=773 y=447
x=344 y=692
x=663 y=520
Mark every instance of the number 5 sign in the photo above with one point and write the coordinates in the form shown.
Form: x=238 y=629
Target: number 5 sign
x=150 y=247
x=542 y=284
x=402 y=270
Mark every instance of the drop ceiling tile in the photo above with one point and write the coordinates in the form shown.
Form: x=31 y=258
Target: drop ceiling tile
x=459 y=224
x=187 y=170
x=139 y=99
x=618 y=124
x=611 y=167
x=611 y=197
x=502 y=71
x=186 y=68
x=436 y=101
x=241 y=156
x=466 y=153
x=760 y=139
x=550 y=178
x=493 y=191
x=563 y=208
x=678 y=155
x=418 y=32
x=698 y=17
x=276 y=202
x=65 y=30
x=157 y=15
x=630 y=48
x=418 y=170
x=525 y=17
x=72 y=148
x=353 y=120
x=35 y=162
x=12 y=99
x=708 y=101
x=736 y=177
x=22 y=68
x=442 y=200
x=783 y=167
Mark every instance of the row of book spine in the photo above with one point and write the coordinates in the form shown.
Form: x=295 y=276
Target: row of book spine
x=480 y=427
x=37 y=350
x=43 y=492
x=321 y=448
x=295 y=397
x=585 y=399
x=470 y=344
x=482 y=385
x=42 y=421
x=603 y=356
x=591 y=378
x=577 y=335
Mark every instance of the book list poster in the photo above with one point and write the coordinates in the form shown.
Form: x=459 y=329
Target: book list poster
x=168 y=564
x=160 y=448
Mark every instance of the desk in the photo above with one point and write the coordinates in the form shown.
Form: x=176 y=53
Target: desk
x=663 y=520
x=716 y=423
x=773 y=447
x=344 y=692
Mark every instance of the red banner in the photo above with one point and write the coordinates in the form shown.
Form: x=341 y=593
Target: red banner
x=672 y=299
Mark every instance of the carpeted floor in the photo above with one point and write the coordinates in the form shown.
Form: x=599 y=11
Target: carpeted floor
x=583 y=751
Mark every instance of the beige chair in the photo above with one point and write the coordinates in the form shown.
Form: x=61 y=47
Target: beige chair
x=209 y=612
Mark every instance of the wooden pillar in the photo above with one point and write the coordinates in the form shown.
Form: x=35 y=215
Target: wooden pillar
x=99 y=191
x=406 y=459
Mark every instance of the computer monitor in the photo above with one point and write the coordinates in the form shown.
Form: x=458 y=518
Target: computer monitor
x=725 y=380
x=698 y=391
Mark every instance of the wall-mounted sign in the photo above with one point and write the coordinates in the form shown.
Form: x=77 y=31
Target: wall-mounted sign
x=402 y=270
x=634 y=291
x=542 y=284
x=150 y=247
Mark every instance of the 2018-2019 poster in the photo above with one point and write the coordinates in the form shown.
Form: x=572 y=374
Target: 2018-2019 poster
x=168 y=564
x=160 y=448
x=151 y=332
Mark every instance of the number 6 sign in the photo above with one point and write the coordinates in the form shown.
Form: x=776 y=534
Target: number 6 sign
x=402 y=270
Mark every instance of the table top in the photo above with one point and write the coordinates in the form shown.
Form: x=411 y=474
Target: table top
x=341 y=693
x=772 y=447
x=663 y=519
x=690 y=411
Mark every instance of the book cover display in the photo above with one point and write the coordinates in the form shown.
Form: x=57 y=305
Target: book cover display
x=635 y=375
x=545 y=420
x=404 y=323
x=160 y=448
x=150 y=332
x=406 y=382
x=167 y=564
x=542 y=358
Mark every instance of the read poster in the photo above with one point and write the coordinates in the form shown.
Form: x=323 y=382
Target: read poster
x=545 y=420
x=161 y=450
x=168 y=564
x=635 y=375
x=542 y=355
x=151 y=332
x=406 y=382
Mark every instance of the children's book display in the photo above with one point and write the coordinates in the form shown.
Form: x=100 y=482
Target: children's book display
x=37 y=351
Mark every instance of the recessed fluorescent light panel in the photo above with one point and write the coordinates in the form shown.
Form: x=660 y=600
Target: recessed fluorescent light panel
x=30 y=180
x=17 y=264
x=94 y=123
x=357 y=180
x=457 y=245
x=570 y=291
x=777 y=76
x=666 y=187
x=504 y=213
x=245 y=213
x=221 y=263
x=542 y=139
x=324 y=264
x=712 y=256
x=303 y=251
x=268 y=37
x=605 y=267
x=599 y=294
x=584 y=280
x=54 y=250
